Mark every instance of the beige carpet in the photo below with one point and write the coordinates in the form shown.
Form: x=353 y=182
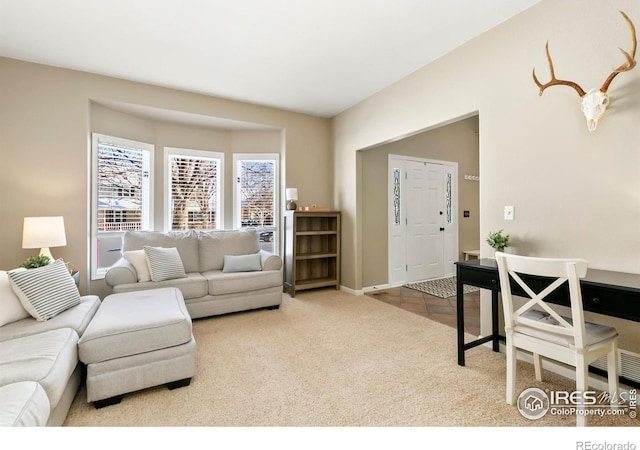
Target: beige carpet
x=327 y=358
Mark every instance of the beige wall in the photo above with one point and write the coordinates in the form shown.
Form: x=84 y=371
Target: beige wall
x=575 y=193
x=457 y=142
x=46 y=117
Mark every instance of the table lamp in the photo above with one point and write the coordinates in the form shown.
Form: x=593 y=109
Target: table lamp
x=42 y=233
x=292 y=196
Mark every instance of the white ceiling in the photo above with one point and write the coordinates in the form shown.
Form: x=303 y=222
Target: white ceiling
x=314 y=56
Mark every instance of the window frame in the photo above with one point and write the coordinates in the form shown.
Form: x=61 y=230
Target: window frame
x=196 y=154
x=237 y=213
x=97 y=139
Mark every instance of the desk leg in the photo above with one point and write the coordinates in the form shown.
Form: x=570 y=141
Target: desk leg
x=460 y=319
x=494 y=320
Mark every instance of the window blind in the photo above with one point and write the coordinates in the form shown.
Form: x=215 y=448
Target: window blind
x=256 y=182
x=122 y=173
x=194 y=192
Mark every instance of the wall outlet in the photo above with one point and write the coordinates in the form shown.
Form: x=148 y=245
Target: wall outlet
x=508 y=212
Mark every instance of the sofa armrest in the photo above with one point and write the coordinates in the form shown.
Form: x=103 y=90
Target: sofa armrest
x=121 y=272
x=270 y=261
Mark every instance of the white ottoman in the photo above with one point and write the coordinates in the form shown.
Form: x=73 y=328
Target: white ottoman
x=135 y=341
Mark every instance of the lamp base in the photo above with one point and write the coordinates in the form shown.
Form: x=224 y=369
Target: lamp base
x=46 y=252
x=291 y=205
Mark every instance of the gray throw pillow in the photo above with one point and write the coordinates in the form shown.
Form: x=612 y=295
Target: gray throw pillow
x=45 y=291
x=242 y=263
x=164 y=263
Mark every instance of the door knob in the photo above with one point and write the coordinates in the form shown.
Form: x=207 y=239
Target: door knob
x=441 y=228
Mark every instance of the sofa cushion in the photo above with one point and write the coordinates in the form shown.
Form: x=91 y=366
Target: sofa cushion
x=76 y=318
x=138 y=259
x=185 y=241
x=23 y=404
x=221 y=283
x=194 y=286
x=11 y=309
x=242 y=263
x=164 y=263
x=215 y=244
x=45 y=291
x=48 y=358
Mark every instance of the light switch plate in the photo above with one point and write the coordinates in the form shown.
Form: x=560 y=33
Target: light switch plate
x=508 y=212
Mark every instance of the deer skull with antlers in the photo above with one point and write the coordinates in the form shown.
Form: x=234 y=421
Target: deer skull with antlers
x=594 y=102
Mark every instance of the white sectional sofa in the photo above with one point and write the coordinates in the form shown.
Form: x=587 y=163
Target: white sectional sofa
x=224 y=271
x=216 y=272
x=39 y=368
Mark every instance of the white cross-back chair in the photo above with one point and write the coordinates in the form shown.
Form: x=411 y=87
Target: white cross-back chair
x=535 y=327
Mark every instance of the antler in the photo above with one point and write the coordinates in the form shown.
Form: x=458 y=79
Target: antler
x=554 y=81
x=631 y=63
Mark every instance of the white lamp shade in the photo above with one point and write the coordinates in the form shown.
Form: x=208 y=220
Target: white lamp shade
x=292 y=194
x=43 y=232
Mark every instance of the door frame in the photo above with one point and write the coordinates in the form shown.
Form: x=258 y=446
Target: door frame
x=397 y=232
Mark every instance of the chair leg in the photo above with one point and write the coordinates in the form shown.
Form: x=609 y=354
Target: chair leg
x=582 y=383
x=612 y=373
x=511 y=374
x=537 y=364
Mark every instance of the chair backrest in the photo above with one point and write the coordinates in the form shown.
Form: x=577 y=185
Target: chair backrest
x=563 y=270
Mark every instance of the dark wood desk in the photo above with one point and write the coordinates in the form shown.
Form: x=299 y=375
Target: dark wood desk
x=615 y=294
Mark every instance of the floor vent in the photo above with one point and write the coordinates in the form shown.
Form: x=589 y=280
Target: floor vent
x=628 y=365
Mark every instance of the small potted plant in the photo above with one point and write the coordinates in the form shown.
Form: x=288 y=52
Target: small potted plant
x=498 y=240
x=34 y=262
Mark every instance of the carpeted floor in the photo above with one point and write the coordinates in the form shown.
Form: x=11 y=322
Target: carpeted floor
x=329 y=359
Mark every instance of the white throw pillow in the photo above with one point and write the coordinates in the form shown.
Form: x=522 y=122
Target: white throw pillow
x=138 y=259
x=242 y=263
x=11 y=309
x=45 y=291
x=164 y=263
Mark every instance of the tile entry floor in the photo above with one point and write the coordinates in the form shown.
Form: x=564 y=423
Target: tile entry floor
x=441 y=310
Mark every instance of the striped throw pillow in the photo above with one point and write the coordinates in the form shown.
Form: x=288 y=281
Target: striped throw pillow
x=164 y=263
x=45 y=291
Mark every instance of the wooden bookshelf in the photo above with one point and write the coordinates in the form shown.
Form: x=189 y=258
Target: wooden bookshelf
x=312 y=250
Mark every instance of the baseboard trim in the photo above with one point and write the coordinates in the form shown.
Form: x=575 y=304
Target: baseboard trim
x=369 y=289
x=381 y=287
x=351 y=291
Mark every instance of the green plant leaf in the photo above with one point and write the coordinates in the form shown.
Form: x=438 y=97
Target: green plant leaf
x=33 y=262
x=498 y=240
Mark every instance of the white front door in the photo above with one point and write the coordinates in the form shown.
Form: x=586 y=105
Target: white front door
x=417 y=230
x=423 y=220
x=424 y=241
